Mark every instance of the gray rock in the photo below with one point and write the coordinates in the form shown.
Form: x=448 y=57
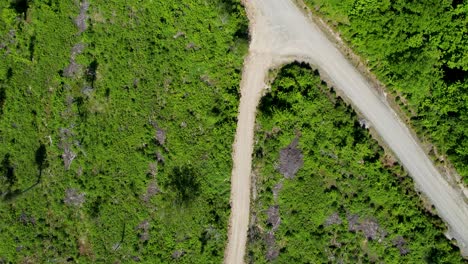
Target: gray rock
x=291 y=160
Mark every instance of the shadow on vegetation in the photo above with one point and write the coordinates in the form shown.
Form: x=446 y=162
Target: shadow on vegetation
x=269 y=103
x=185 y=181
x=438 y=255
x=20 y=6
x=32 y=44
x=456 y=3
x=231 y=6
x=82 y=108
x=9 y=73
x=243 y=32
x=41 y=158
x=2 y=99
x=91 y=72
x=8 y=179
x=8 y=173
x=122 y=237
x=452 y=76
x=272 y=101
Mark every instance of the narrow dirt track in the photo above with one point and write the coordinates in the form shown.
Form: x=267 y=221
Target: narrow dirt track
x=281 y=33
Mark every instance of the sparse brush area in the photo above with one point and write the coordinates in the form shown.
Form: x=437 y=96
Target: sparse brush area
x=326 y=192
x=419 y=49
x=116 y=125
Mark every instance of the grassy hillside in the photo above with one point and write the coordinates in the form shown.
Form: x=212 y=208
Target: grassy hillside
x=419 y=49
x=116 y=125
x=326 y=192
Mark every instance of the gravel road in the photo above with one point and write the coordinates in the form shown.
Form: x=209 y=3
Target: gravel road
x=281 y=33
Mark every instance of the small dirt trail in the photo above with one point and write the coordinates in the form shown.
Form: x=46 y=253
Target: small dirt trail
x=255 y=69
x=281 y=33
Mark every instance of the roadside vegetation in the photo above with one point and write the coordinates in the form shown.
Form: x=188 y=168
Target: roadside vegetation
x=325 y=191
x=116 y=125
x=419 y=50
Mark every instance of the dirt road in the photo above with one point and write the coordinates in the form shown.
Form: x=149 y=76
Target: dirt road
x=282 y=33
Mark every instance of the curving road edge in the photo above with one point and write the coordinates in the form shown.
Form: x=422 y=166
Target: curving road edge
x=281 y=33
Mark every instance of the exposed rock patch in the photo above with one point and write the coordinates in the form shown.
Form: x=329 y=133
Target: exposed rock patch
x=179 y=34
x=72 y=70
x=368 y=226
x=144 y=227
x=73 y=197
x=274 y=218
x=353 y=222
x=65 y=144
x=151 y=191
x=80 y=20
x=26 y=219
x=371 y=229
x=400 y=243
x=276 y=189
x=178 y=254
x=291 y=160
x=272 y=252
x=160 y=136
x=333 y=219
x=77 y=49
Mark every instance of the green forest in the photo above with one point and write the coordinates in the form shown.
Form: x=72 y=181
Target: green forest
x=419 y=50
x=326 y=192
x=116 y=125
x=117 y=120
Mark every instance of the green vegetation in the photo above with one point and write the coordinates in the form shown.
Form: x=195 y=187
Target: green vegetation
x=419 y=49
x=116 y=125
x=326 y=191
